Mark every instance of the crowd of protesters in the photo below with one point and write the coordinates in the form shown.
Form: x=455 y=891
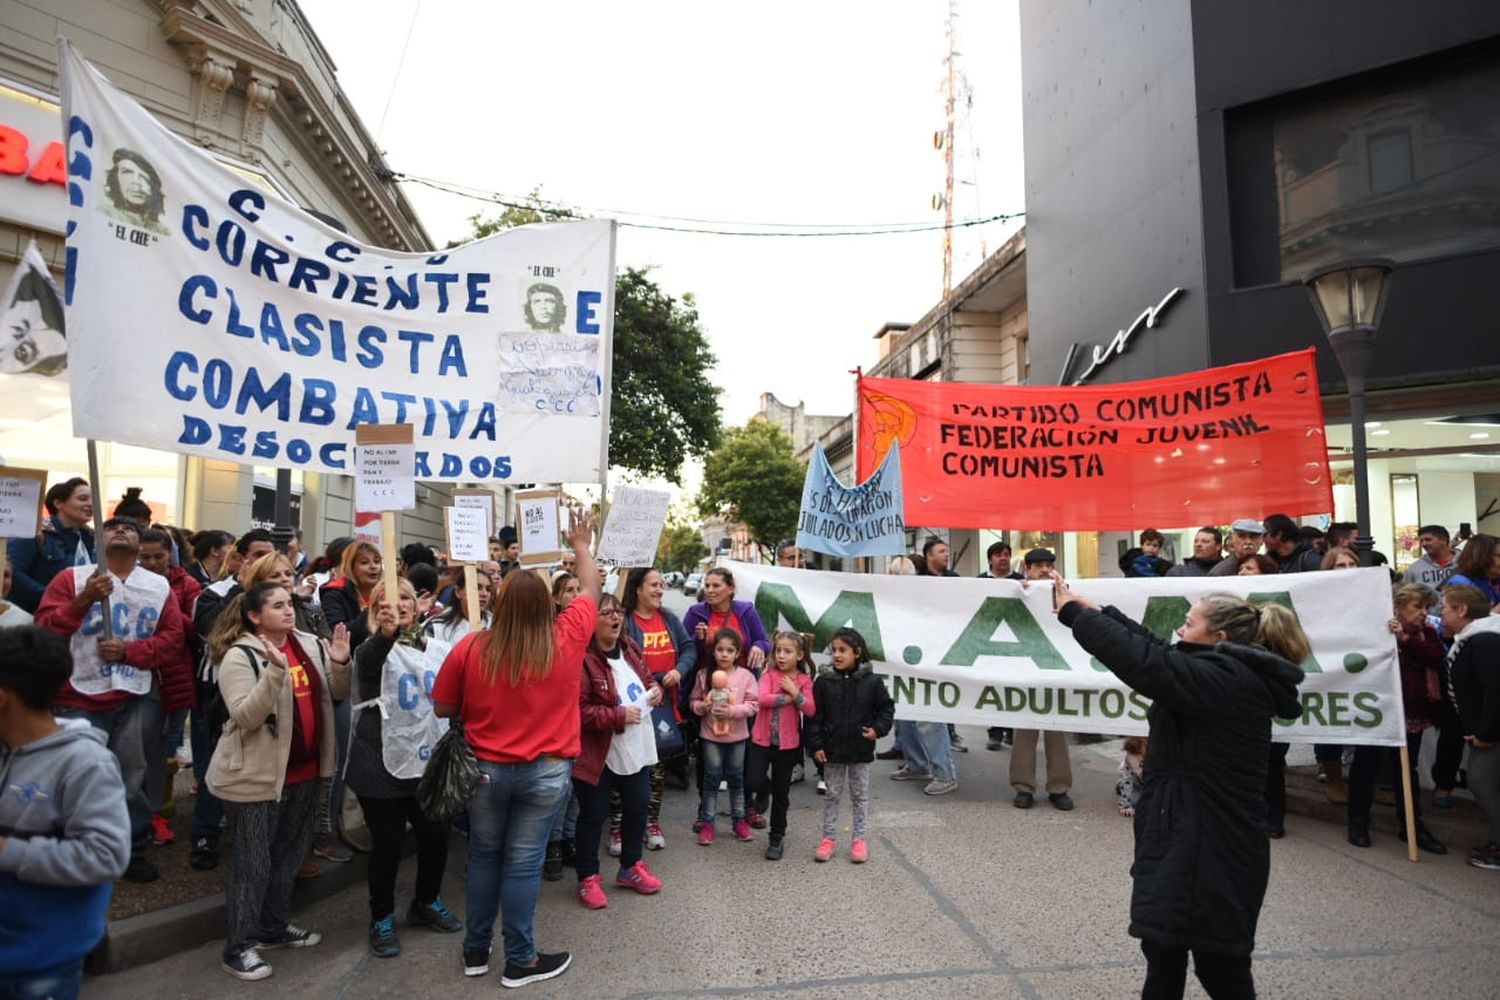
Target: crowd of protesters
x=271 y=672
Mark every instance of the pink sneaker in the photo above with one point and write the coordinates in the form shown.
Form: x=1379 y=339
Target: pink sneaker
x=742 y=830
x=639 y=878
x=705 y=834
x=825 y=849
x=859 y=852
x=591 y=893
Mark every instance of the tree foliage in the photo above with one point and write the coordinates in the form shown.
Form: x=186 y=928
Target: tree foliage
x=680 y=548
x=753 y=478
x=663 y=407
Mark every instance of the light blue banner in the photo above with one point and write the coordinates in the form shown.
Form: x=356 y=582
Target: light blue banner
x=847 y=521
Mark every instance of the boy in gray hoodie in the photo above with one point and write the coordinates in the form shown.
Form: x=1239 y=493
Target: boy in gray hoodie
x=64 y=830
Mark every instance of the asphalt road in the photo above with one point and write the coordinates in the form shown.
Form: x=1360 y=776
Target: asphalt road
x=964 y=896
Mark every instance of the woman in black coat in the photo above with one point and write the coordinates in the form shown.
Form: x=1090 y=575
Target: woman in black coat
x=1201 y=854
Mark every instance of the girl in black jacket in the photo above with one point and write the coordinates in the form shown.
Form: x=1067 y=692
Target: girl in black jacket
x=853 y=711
x=1201 y=854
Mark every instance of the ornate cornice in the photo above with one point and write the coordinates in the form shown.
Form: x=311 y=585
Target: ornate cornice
x=222 y=58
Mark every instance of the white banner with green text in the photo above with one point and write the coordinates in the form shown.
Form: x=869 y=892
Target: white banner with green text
x=992 y=653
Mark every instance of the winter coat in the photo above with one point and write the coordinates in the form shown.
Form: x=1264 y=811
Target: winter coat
x=1420 y=655
x=35 y=561
x=788 y=712
x=1193 y=568
x=1136 y=563
x=1201 y=854
x=178 y=692
x=340 y=602
x=249 y=763
x=1303 y=559
x=847 y=701
x=601 y=715
x=1474 y=672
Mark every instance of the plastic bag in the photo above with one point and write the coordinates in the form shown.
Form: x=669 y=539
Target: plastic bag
x=450 y=779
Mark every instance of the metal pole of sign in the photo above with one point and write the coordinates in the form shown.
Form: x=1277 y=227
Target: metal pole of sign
x=281 y=534
x=98 y=495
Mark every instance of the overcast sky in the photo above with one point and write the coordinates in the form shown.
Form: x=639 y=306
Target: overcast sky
x=808 y=112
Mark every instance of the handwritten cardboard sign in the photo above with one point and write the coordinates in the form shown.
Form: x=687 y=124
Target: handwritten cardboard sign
x=468 y=542
x=539 y=526
x=634 y=525
x=478 y=499
x=385 y=463
x=21 y=492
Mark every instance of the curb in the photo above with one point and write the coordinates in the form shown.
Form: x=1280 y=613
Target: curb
x=150 y=937
x=1459 y=826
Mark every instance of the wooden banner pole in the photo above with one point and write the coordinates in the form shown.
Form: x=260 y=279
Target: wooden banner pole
x=1408 y=804
x=388 y=556
x=475 y=614
x=98 y=495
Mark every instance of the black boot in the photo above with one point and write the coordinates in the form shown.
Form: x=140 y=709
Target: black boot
x=1425 y=840
x=1359 y=832
x=552 y=867
x=569 y=854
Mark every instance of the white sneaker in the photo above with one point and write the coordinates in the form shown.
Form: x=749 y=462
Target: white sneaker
x=797 y=775
x=614 y=843
x=654 y=839
x=822 y=787
x=939 y=787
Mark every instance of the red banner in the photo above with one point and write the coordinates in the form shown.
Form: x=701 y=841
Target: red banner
x=1203 y=448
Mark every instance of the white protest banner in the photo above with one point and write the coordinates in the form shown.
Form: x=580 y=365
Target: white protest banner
x=468 y=542
x=31 y=314
x=21 y=492
x=863 y=520
x=210 y=317
x=540 y=533
x=384 y=467
x=991 y=653
x=633 y=528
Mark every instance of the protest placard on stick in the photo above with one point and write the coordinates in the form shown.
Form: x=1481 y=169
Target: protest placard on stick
x=21 y=492
x=385 y=480
x=468 y=543
x=540 y=526
x=633 y=527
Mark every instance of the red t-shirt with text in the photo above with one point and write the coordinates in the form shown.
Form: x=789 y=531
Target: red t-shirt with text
x=656 y=643
x=536 y=718
x=307 y=716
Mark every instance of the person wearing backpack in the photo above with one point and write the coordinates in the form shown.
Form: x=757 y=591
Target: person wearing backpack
x=278 y=686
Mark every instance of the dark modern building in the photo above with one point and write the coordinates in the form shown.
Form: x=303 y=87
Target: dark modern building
x=1226 y=150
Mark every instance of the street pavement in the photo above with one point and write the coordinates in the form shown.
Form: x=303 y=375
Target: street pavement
x=964 y=897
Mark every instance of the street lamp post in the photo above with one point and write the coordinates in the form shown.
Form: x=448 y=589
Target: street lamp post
x=1349 y=299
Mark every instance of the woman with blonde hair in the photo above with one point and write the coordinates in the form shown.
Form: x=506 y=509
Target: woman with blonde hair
x=1202 y=859
x=394 y=730
x=515 y=688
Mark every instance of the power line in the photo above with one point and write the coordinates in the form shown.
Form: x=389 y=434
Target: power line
x=721 y=227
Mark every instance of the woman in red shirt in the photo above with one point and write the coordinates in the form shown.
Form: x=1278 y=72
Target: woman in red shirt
x=515 y=688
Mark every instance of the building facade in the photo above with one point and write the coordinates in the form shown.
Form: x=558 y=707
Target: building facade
x=1223 y=152
x=248 y=81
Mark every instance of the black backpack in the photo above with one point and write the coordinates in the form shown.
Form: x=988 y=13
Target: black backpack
x=217 y=712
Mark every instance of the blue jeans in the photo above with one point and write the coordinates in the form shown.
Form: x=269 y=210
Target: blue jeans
x=510 y=817
x=722 y=762
x=131 y=729
x=567 y=816
x=928 y=748
x=54 y=984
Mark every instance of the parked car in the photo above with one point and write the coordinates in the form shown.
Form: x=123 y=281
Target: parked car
x=672 y=578
x=692 y=584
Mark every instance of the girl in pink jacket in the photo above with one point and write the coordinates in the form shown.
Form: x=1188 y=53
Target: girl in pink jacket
x=724 y=752
x=786 y=697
